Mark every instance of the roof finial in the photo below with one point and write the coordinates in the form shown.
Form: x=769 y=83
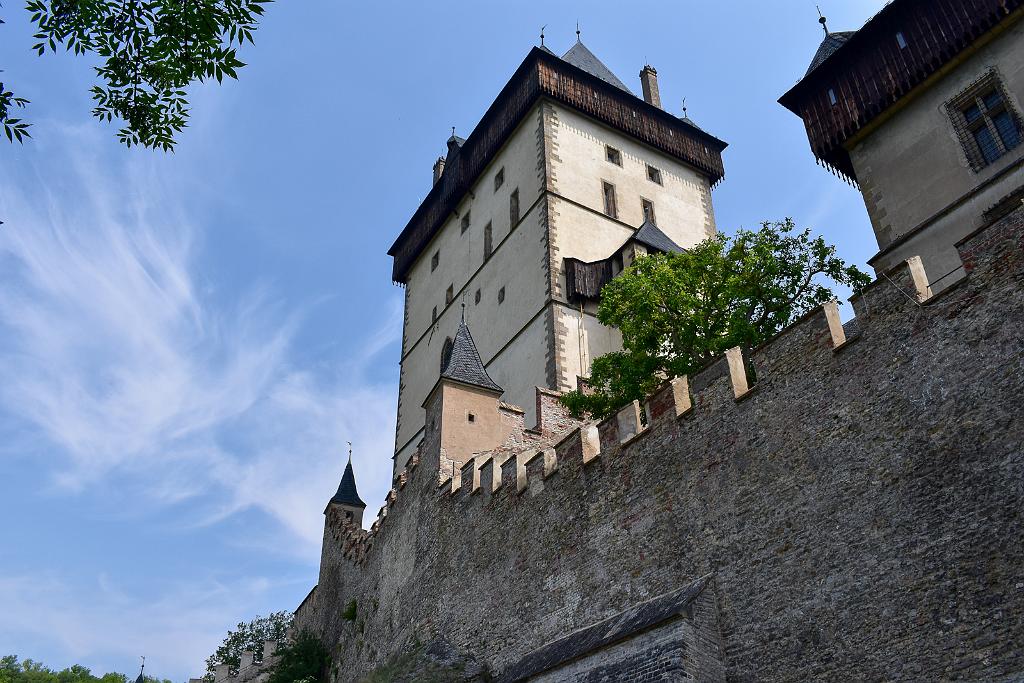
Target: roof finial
x=463 y=311
x=542 y=34
x=823 y=21
x=143 y=666
x=684 y=107
x=349 y=452
x=578 y=32
x=453 y=131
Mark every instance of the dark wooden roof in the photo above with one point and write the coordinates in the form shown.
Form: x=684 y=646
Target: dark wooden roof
x=869 y=71
x=542 y=74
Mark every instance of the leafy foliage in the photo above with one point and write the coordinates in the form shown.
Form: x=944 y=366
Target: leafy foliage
x=349 y=613
x=28 y=671
x=151 y=51
x=14 y=128
x=249 y=636
x=304 y=660
x=677 y=312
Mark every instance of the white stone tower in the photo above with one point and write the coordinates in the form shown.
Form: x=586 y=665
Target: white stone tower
x=567 y=176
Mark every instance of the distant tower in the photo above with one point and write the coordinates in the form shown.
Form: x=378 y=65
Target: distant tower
x=526 y=219
x=346 y=503
x=924 y=111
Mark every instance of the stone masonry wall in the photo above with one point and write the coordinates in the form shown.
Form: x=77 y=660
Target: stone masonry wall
x=859 y=508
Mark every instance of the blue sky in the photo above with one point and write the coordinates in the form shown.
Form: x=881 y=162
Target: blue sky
x=188 y=340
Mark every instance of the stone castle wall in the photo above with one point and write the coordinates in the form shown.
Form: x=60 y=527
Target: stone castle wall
x=857 y=512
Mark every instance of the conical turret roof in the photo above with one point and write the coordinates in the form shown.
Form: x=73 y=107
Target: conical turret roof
x=347 y=493
x=831 y=43
x=463 y=364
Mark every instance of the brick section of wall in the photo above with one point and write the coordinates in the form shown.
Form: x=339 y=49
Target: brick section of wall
x=859 y=509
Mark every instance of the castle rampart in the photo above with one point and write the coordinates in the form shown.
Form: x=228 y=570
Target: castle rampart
x=853 y=514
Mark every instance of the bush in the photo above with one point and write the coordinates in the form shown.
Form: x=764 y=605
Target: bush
x=304 y=660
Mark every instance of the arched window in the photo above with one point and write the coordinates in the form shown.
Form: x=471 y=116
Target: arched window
x=446 y=353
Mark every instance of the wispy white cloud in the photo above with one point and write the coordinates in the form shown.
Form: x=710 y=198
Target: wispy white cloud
x=126 y=361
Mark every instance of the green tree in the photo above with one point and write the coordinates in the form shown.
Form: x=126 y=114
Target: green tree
x=14 y=671
x=150 y=52
x=249 y=636
x=304 y=659
x=678 y=312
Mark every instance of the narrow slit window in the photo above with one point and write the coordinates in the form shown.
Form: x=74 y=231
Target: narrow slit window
x=501 y=295
x=613 y=155
x=434 y=260
x=610 y=207
x=499 y=178
x=450 y=294
x=901 y=40
x=832 y=97
x=476 y=297
x=465 y=222
x=648 y=209
x=513 y=208
x=487 y=242
x=653 y=174
x=433 y=315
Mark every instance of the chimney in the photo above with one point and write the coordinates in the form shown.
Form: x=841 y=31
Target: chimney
x=649 y=83
x=438 y=169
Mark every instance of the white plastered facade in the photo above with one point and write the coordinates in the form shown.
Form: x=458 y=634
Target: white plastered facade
x=556 y=159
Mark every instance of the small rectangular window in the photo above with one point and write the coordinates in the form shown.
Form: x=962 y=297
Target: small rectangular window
x=653 y=174
x=499 y=178
x=513 y=208
x=434 y=260
x=609 y=199
x=648 y=209
x=487 y=242
x=465 y=222
x=476 y=297
x=832 y=97
x=901 y=40
x=471 y=417
x=448 y=295
x=501 y=295
x=613 y=155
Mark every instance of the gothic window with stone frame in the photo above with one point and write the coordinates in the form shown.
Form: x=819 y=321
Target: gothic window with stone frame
x=513 y=208
x=985 y=121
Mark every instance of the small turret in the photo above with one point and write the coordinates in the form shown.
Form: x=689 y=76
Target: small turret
x=347 y=499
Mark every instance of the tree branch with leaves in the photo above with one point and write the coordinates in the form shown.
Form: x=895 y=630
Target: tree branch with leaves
x=151 y=51
x=678 y=312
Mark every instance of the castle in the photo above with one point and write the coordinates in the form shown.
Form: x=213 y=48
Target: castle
x=853 y=514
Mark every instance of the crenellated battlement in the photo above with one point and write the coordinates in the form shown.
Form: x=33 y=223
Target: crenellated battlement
x=823 y=479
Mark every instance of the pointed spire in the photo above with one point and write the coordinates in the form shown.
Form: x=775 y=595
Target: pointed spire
x=823 y=21
x=464 y=364
x=347 y=493
x=142 y=678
